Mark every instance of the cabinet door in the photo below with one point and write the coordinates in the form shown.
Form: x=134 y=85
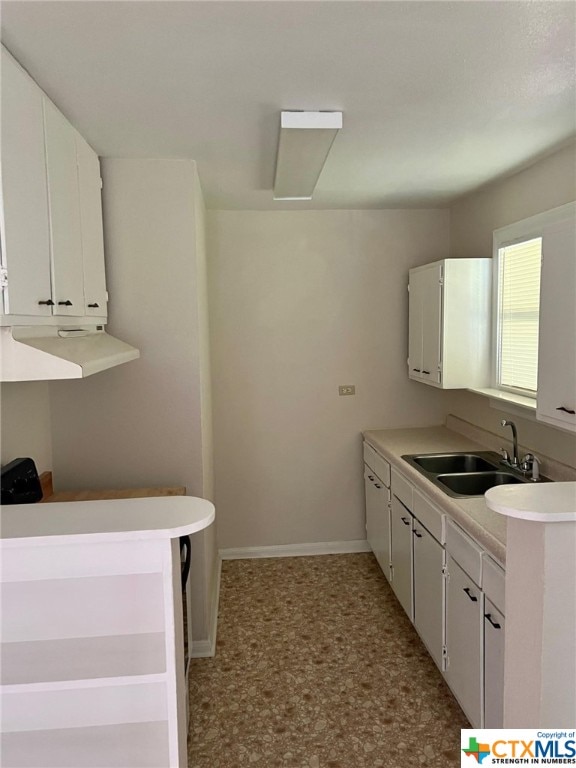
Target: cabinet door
x=89 y=187
x=493 y=666
x=431 y=323
x=401 y=554
x=415 y=325
x=25 y=227
x=556 y=402
x=378 y=519
x=428 y=590
x=464 y=641
x=64 y=205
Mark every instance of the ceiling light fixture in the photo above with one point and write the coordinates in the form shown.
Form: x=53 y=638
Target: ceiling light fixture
x=305 y=141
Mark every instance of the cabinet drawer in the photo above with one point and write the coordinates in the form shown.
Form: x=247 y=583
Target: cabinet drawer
x=429 y=515
x=464 y=550
x=493 y=581
x=377 y=463
x=401 y=488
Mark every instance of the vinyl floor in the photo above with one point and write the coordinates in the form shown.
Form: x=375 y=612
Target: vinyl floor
x=317 y=666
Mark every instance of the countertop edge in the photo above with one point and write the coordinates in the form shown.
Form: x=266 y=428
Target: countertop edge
x=104 y=521
x=531 y=503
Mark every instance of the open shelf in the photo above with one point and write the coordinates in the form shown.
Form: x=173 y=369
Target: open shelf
x=56 y=609
x=82 y=658
x=129 y=745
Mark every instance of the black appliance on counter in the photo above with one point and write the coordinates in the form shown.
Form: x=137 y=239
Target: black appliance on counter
x=20 y=483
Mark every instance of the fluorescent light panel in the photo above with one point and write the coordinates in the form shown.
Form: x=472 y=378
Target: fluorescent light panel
x=305 y=141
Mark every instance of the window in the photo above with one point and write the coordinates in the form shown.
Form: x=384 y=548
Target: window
x=517 y=316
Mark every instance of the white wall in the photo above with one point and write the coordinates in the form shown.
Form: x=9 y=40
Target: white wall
x=25 y=423
x=143 y=423
x=547 y=184
x=301 y=302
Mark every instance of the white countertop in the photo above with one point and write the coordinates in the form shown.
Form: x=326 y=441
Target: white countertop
x=485 y=525
x=110 y=520
x=546 y=503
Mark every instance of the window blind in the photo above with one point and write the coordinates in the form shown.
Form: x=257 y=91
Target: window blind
x=518 y=315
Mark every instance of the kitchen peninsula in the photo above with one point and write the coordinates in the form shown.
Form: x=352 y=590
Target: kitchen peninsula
x=92 y=637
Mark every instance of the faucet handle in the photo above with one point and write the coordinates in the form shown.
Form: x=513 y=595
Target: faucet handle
x=505 y=456
x=527 y=462
x=531 y=463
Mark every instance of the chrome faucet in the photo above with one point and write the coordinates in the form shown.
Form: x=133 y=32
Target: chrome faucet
x=514 y=459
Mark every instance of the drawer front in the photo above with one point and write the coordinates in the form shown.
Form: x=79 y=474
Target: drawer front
x=377 y=463
x=401 y=488
x=494 y=582
x=464 y=550
x=430 y=516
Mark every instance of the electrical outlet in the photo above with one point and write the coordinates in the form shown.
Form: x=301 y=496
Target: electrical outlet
x=347 y=389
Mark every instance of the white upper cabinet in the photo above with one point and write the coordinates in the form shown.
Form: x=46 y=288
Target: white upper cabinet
x=90 y=186
x=64 y=206
x=25 y=225
x=556 y=401
x=449 y=323
x=52 y=240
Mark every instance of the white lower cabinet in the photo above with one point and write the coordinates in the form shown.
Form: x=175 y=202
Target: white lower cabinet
x=378 y=519
x=429 y=590
x=401 y=555
x=493 y=666
x=451 y=589
x=377 y=490
x=464 y=641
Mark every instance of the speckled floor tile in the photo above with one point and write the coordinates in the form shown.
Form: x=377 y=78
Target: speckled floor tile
x=317 y=666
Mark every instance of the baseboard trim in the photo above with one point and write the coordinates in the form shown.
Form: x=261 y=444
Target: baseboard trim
x=296 y=550
x=202 y=649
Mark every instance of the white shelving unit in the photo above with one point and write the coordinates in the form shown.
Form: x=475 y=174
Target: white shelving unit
x=92 y=671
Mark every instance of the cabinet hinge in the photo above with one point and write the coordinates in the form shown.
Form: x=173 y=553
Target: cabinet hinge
x=445 y=658
x=441 y=281
x=3 y=277
x=101 y=182
x=445 y=573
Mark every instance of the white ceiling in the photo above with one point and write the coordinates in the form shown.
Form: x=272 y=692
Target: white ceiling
x=438 y=97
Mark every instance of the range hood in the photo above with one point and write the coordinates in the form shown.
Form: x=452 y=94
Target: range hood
x=43 y=352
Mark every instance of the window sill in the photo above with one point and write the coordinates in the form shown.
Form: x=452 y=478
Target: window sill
x=509 y=402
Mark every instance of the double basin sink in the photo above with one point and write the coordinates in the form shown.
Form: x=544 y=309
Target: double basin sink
x=464 y=475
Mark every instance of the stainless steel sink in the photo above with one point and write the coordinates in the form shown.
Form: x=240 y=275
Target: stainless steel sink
x=464 y=474
x=476 y=483
x=453 y=462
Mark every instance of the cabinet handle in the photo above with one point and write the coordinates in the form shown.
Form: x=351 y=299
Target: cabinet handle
x=371 y=477
x=94 y=305
x=491 y=620
x=426 y=372
x=417 y=533
x=417 y=370
x=470 y=595
x=48 y=303
x=566 y=410
x=377 y=486
x=66 y=303
x=405 y=521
